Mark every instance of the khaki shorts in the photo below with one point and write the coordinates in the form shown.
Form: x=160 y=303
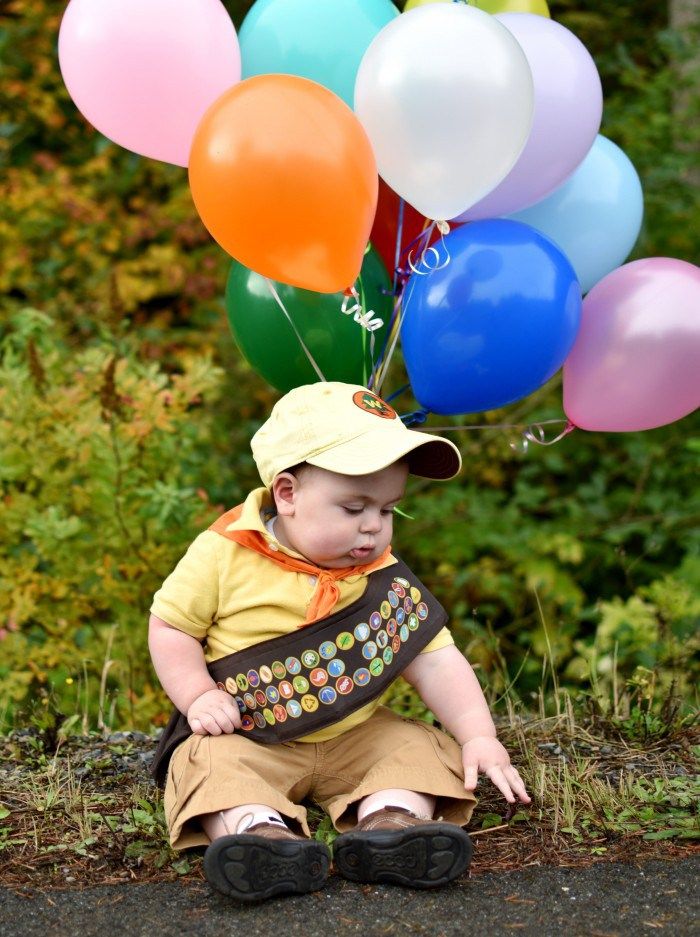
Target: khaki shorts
x=208 y=773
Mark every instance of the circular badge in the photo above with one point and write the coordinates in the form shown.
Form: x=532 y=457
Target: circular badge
x=344 y=685
x=280 y=713
x=327 y=695
x=336 y=668
x=398 y=589
x=293 y=665
x=408 y=604
x=403 y=582
x=231 y=686
x=266 y=674
x=309 y=659
x=253 y=678
x=249 y=700
x=241 y=705
x=345 y=641
x=361 y=676
x=370 y=403
x=385 y=609
x=279 y=670
x=404 y=632
x=413 y=622
x=301 y=684
x=327 y=650
x=391 y=627
x=376 y=667
x=375 y=621
x=387 y=655
x=415 y=594
x=400 y=616
x=286 y=689
x=362 y=631
x=247 y=723
x=309 y=703
x=294 y=709
x=382 y=638
x=369 y=650
x=260 y=698
x=396 y=644
x=269 y=717
x=318 y=677
x=242 y=682
x=422 y=611
x=393 y=599
x=259 y=720
x=273 y=694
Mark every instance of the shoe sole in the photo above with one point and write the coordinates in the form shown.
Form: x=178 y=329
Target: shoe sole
x=425 y=856
x=252 y=868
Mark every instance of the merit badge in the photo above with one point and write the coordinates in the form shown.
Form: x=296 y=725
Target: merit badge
x=318 y=676
x=309 y=703
x=369 y=650
x=269 y=717
x=398 y=589
x=361 y=676
x=273 y=694
x=253 y=678
x=327 y=650
x=362 y=631
x=260 y=698
x=280 y=713
x=249 y=700
x=266 y=674
x=385 y=609
x=293 y=665
x=344 y=685
x=404 y=632
x=294 y=709
x=413 y=622
x=375 y=621
x=400 y=615
x=408 y=604
x=345 y=640
x=230 y=686
x=422 y=611
x=242 y=682
x=403 y=582
x=309 y=659
x=301 y=684
x=387 y=656
x=393 y=599
x=391 y=627
x=396 y=644
x=327 y=695
x=240 y=704
x=336 y=668
x=259 y=720
x=382 y=638
x=286 y=689
x=376 y=667
x=279 y=670
x=415 y=594
x=247 y=723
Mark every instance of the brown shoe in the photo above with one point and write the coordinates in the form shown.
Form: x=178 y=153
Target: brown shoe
x=267 y=860
x=395 y=847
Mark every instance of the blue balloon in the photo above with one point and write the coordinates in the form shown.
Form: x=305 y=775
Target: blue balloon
x=315 y=39
x=494 y=323
x=596 y=215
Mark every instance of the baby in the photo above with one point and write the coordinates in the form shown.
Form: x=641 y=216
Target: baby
x=275 y=638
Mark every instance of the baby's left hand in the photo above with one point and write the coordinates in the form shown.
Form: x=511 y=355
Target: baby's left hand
x=486 y=754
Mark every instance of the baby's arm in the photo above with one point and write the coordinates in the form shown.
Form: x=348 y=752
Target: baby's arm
x=449 y=688
x=179 y=662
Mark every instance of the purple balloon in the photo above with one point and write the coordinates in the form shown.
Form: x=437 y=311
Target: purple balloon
x=567 y=114
x=636 y=361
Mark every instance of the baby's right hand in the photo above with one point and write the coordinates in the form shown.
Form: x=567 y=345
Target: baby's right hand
x=212 y=713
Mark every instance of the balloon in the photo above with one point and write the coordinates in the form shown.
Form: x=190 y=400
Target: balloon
x=445 y=94
x=341 y=347
x=312 y=38
x=568 y=108
x=636 y=361
x=494 y=323
x=143 y=73
x=386 y=224
x=493 y=6
x=283 y=176
x=596 y=215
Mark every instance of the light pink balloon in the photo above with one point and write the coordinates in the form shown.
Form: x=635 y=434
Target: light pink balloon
x=567 y=114
x=143 y=72
x=636 y=361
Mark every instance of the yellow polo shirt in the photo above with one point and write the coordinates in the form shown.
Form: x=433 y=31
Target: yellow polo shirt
x=232 y=597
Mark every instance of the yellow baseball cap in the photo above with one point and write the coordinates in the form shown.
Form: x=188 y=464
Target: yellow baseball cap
x=348 y=429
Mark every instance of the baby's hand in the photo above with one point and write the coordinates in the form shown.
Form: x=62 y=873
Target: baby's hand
x=486 y=754
x=212 y=713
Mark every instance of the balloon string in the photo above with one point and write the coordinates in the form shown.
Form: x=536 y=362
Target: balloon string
x=532 y=433
x=428 y=266
x=308 y=354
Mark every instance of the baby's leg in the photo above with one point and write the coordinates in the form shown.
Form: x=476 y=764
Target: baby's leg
x=238 y=820
x=420 y=805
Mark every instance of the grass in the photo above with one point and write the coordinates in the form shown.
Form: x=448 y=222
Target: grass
x=80 y=809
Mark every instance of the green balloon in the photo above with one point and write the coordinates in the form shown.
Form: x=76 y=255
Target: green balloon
x=343 y=348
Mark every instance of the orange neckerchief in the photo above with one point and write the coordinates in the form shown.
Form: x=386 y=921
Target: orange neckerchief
x=326 y=593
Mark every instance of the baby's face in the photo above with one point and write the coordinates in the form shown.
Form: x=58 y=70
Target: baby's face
x=342 y=520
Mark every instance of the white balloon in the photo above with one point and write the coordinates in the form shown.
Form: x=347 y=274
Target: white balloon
x=445 y=94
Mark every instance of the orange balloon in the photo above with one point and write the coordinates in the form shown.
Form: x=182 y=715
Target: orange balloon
x=284 y=177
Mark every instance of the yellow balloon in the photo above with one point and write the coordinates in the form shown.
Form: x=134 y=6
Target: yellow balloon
x=538 y=7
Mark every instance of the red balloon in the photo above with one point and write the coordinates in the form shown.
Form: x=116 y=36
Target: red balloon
x=386 y=223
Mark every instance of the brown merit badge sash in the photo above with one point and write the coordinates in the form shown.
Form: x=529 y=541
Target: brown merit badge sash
x=301 y=682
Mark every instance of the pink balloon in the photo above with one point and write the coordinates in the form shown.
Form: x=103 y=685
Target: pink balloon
x=567 y=114
x=635 y=364
x=143 y=72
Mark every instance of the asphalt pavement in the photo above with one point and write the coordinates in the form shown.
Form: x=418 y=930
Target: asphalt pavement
x=603 y=900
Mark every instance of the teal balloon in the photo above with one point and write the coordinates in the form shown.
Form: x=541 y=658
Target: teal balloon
x=343 y=348
x=323 y=40
x=595 y=216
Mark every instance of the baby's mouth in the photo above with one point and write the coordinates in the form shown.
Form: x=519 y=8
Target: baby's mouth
x=360 y=553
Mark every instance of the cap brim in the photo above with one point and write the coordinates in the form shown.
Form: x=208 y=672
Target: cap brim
x=428 y=456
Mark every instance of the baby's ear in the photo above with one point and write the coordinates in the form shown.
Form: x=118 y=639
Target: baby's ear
x=283 y=490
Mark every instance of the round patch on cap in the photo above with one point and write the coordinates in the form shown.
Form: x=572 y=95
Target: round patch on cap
x=370 y=403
